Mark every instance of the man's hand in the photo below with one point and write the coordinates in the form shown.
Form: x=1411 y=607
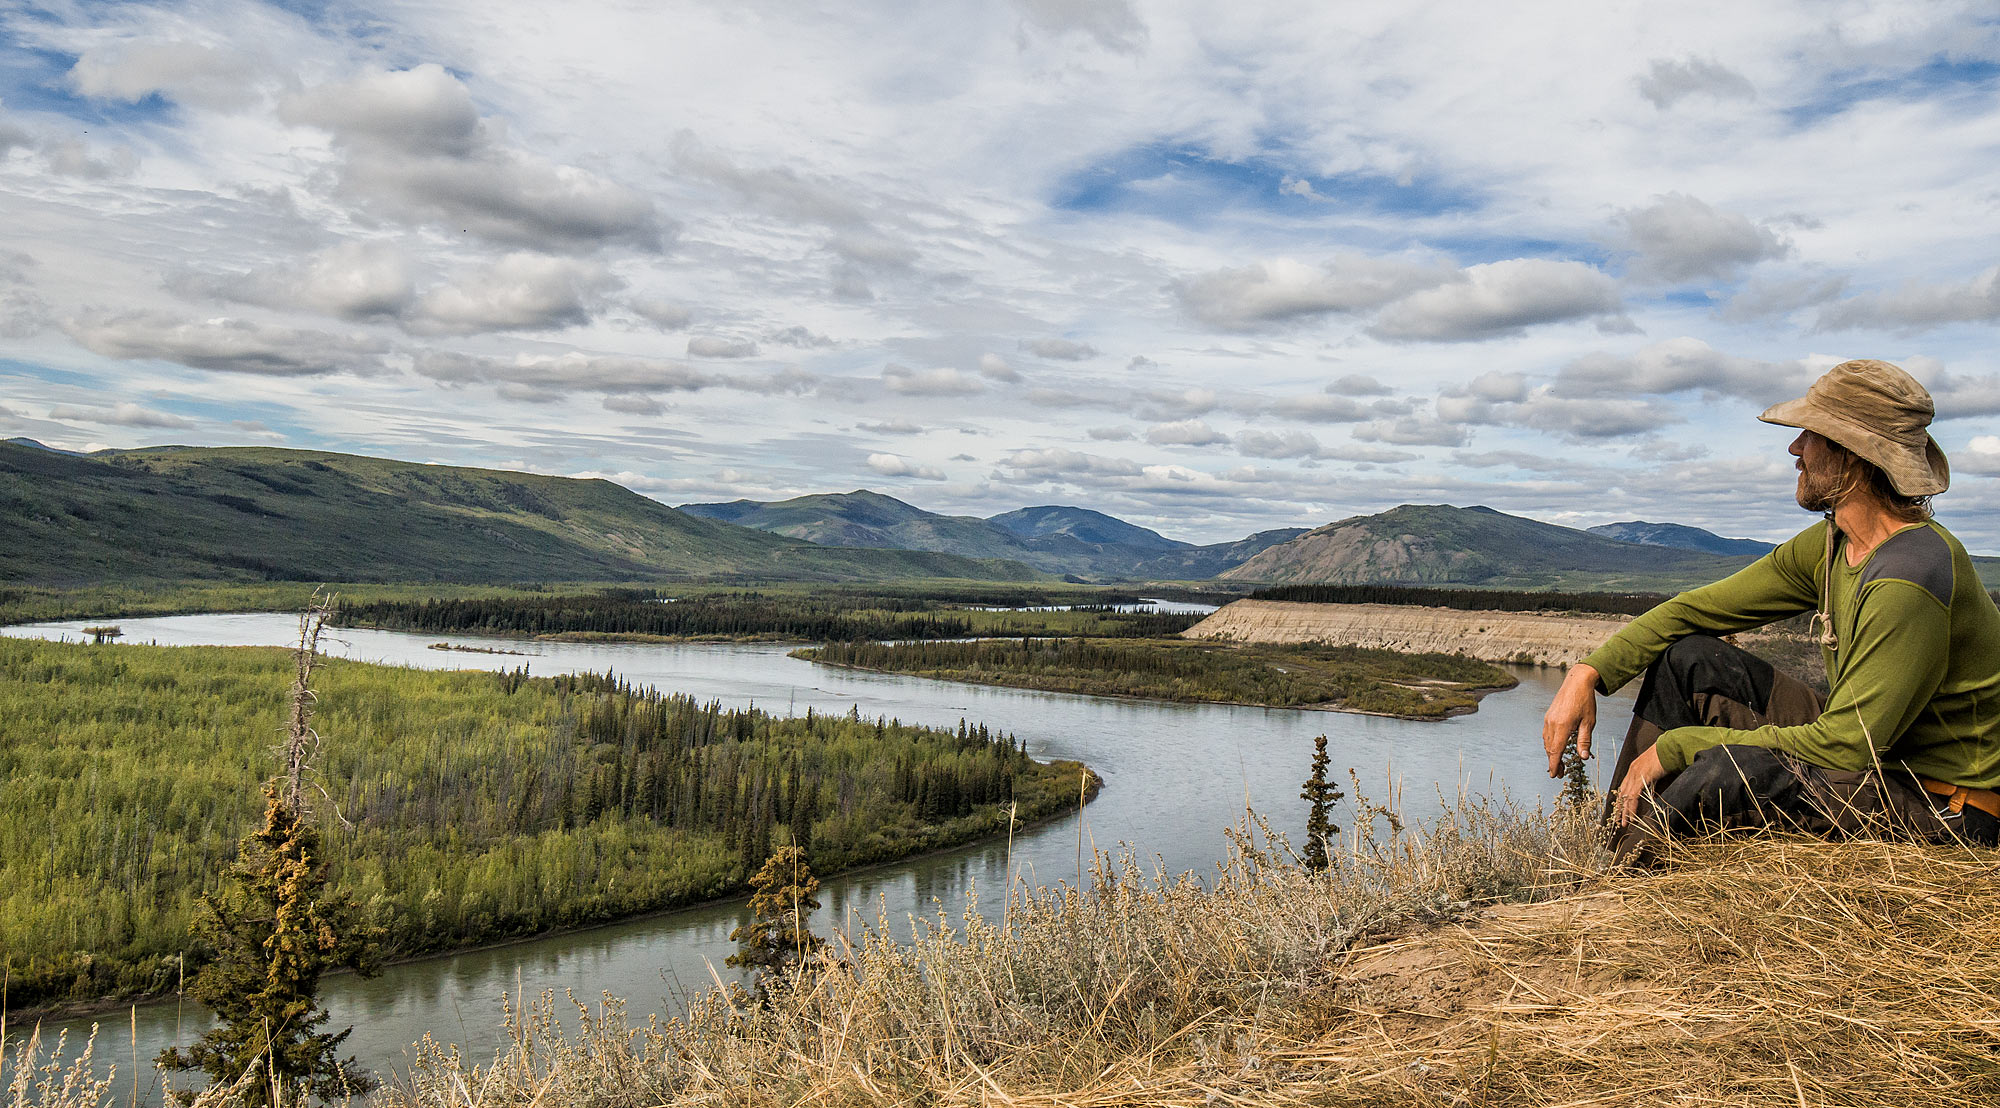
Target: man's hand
x=1645 y=770
x=1572 y=713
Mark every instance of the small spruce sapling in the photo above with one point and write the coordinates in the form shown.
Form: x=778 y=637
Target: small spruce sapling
x=777 y=935
x=1321 y=794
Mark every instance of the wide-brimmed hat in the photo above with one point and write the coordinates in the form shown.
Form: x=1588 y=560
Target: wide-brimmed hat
x=1879 y=412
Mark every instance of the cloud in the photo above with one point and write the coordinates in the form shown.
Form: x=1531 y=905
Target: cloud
x=1112 y=23
x=568 y=373
x=1140 y=361
x=929 y=382
x=1917 y=306
x=72 y=157
x=1357 y=384
x=1322 y=409
x=352 y=280
x=1058 y=462
x=781 y=191
x=1501 y=298
x=799 y=338
x=664 y=314
x=125 y=414
x=1763 y=298
x=1412 y=431
x=1957 y=396
x=1060 y=349
x=187 y=72
x=518 y=292
x=1276 y=444
x=1680 y=238
x=1589 y=419
x=891 y=427
x=1981 y=455
x=226 y=345
x=1110 y=434
x=1284 y=290
x=1667 y=82
x=1681 y=365
x=995 y=367
x=415 y=150
x=893 y=465
x=633 y=404
x=709 y=346
x=1187 y=432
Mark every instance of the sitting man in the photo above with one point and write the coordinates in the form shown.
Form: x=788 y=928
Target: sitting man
x=1908 y=739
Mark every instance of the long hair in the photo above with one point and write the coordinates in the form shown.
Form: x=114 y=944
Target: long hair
x=1860 y=477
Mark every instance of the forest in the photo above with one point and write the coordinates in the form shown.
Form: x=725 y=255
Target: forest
x=1422 y=686
x=1472 y=600
x=457 y=807
x=778 y=614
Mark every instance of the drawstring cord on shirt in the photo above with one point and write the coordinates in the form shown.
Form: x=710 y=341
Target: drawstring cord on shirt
x=1822 y=620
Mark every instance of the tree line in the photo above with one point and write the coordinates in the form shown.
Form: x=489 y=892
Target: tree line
x=463 y=807
x=1474 y=600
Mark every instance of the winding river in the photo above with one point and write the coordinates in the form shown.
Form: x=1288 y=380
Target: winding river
x=1175 y=775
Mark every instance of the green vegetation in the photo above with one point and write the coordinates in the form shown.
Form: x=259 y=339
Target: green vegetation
x=777 y=935
x=248 y=514
x=1422 y=686
x=481 y=805
x=819 y=616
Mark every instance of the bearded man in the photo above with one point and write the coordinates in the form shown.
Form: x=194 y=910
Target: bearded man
x=1907 y=740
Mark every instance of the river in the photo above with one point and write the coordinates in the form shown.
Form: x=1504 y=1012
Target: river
x=1175 y=775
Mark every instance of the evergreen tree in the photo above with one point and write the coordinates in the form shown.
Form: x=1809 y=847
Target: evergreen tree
x=1321 y=794
x=274 y=930
x=777 y=934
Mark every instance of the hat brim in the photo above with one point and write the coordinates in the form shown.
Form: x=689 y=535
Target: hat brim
x=1911 y=471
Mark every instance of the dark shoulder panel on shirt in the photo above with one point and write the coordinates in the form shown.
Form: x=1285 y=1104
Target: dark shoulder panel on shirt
x=1920 y=556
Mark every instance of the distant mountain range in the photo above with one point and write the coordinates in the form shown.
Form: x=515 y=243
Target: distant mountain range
x=247 y=513
x=1075 y=542
x=1681 y=537
x=1437 y=544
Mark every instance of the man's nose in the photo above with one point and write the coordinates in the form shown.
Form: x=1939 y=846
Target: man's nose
x=1798 y=447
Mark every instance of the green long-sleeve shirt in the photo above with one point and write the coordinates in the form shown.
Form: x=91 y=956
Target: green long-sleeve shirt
x=1915 y=673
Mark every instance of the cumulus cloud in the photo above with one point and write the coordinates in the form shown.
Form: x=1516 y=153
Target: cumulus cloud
x=1060 y=349
x=1284 y=290
x=1110 y=434
x=894 y=465
x=1322 y=409
x=1357 y=384
x=1667 y=82
x=633 y=404
x=72 y=157
x=124 y=414
x=1277 y=444
x=710 y=346
x=891 y=427
x=1681 y=365
x=799 y=338
x=1186 y=432
x=1412 y=431
x=996 y=368
x=1917 y=306
x=664 y=314
x=518 y=292
x=1957 y=395
x=416 y=150
x=1057 y=463
x=929 y=382
x=1763 y=298
x=1679 y=238
x=187 y=72
x=1981 y=455
x=226 y=345
x=1501 y=298
x=352 y=280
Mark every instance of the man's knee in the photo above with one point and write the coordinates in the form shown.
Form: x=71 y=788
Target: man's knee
x=1734 y=786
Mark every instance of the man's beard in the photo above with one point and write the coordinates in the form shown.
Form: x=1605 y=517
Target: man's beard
x=1818 y=490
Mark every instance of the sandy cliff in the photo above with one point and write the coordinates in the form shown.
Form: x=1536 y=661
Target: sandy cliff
x=1539 y=638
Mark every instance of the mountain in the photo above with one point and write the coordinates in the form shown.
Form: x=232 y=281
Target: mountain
x=1679 y=536
x=1441 y=544
x=1052 y=538
x=247 y=513
x=1085 y=526
x=1199 y=563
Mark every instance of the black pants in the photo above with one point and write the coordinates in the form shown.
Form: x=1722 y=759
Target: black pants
x=1702 y=680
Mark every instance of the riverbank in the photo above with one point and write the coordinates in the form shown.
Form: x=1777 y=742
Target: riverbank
x=1313 y=677
x=1489 y=959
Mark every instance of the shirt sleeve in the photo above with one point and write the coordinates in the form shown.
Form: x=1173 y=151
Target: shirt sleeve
x=1782 y=583
x=1888 y=672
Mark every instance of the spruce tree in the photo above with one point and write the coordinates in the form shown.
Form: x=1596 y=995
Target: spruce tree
x=275 y=927
x=1320 y=794
x=777 y=935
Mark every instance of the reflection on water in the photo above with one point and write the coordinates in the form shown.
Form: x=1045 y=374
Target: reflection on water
x=1175 y=775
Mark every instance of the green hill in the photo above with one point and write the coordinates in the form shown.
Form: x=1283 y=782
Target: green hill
x=253 y=513
x=1442 y=544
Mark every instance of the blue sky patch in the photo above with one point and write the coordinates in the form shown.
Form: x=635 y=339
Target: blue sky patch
x=37 y=80
x=1182 y=185
x=10 y=367
x=1963 y=81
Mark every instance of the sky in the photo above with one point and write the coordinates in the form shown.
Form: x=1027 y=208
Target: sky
x=1210 y=268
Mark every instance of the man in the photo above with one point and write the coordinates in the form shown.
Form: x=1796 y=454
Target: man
x=1907 y=740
